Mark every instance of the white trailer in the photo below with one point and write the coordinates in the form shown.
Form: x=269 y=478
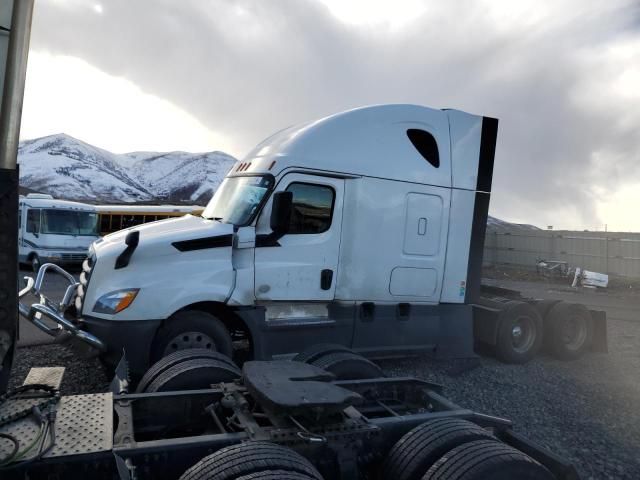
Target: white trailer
x=54 y=231
x=364 y=229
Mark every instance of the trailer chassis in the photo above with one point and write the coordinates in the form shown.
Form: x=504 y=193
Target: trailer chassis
x=160 y=435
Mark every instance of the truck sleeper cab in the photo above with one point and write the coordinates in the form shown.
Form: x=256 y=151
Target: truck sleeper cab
x=54 y=231
x=364 y=228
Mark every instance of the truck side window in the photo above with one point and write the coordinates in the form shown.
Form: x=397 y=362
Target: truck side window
x=33 y=220
x=312 y=208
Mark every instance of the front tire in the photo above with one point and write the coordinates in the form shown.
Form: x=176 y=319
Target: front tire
x=190 y=329
x=35 y=263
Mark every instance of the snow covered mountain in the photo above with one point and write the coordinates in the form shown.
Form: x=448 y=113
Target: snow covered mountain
x=71 y=169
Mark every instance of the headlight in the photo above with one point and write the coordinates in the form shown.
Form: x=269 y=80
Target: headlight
x=114 y=302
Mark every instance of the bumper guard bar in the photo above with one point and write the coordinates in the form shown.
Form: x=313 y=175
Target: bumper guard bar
x=53 y=311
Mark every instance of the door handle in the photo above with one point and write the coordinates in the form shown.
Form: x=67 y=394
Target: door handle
x=326 y=277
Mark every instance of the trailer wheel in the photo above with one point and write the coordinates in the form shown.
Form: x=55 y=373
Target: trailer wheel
x=190 y=329
x=348 y=366
x=568 y=330
x=421 y=447
x=194 y=374
x=181 y=356
x=276 y=475
x=484 y=459
x=238 y=461
x=316 y=351
x=519 y=333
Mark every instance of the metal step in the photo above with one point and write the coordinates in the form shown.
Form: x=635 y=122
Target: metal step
x=51 y=376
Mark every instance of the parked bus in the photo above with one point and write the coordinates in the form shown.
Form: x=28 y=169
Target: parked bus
x=116 y=217
x=55 y=231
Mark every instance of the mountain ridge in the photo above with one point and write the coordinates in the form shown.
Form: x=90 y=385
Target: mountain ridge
x=66 y=167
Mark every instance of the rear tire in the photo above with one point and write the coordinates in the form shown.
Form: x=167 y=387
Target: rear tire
x=421 y=447
x=568 y=330
x=190 y=329
x=195 y=374
x=519 y=333
x=348 y=366
x=243 y=459
x=484 y=459
x=176 y=358
x=276 y=475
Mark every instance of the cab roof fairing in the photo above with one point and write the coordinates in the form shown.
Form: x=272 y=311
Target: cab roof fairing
x=368 y=141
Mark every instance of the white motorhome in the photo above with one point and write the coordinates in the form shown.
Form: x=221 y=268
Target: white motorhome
x=54 y=231
x=364 y=229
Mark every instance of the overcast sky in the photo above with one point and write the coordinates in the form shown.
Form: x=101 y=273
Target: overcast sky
x=563 y=77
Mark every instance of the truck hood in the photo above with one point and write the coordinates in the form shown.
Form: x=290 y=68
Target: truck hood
x=158 y=238
x=177 y=262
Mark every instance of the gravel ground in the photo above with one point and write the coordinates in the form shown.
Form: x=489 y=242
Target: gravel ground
x=587 y=411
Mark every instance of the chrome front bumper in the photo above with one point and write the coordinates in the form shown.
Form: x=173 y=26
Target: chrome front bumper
x=55 y=312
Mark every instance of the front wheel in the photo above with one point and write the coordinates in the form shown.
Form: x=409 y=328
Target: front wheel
x=190 y=329
x=35 y=263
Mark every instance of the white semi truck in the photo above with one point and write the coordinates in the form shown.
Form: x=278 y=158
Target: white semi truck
x=364 y=229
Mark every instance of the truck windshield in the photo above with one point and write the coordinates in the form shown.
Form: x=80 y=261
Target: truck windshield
x=69 y=222
x=237 y=199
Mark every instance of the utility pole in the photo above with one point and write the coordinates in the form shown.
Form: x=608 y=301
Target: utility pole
x=13 y=57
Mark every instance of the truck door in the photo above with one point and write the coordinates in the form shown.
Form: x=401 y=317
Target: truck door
x=301 y=265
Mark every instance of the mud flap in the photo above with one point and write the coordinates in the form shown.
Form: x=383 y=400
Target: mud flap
x=600 y=343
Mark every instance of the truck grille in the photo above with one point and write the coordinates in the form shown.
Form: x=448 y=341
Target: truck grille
x=73 y=257
x=87 y=269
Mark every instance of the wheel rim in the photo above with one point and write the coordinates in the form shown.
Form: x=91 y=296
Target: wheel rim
x=187 y=340
x=523 y=334
x=574 y=332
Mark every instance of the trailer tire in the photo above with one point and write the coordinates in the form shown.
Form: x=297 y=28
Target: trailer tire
x=195 y=374
x=421 y=447
x=568 y=330
x=176 y=358
x=239 y=460
x=484 y=459
x=276 y=475
x=191 y=329
x=519 y=335
x=348 y=366
x=316 y=351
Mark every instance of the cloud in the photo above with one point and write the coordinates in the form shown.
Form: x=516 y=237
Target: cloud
x=561 y=76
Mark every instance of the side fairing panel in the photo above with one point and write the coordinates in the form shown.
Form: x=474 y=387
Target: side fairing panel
x=454 y=286
x=393 y=241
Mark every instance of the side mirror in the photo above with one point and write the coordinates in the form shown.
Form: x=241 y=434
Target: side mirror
x=281 y=212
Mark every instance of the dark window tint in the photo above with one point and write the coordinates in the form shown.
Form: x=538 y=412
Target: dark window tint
x=311 y=209
x=426 y=145
x=116 y=221
x=104 y=223
x=131 y=220
x=33 y=220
